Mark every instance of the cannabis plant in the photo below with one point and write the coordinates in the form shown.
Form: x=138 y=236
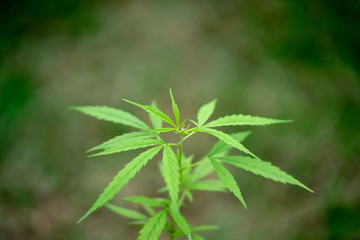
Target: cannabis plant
x=182 y=175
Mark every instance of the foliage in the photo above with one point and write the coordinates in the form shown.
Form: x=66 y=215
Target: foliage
x=181 y=175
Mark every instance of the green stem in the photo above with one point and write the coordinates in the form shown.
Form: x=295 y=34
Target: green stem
x=197 y=163
x=188 y=136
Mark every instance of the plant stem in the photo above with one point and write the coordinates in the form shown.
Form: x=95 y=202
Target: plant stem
x=188 y=136
x=199 y=162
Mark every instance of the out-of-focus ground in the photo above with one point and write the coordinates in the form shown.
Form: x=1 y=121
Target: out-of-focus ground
x=283 y=59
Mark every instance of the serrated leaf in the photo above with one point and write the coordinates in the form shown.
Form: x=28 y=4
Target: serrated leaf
x=152 y=202
x=228 y=180
x=241 y=120
x=155 y=111
x=227 y=139
x=186 y=162
x=180 y=220
x=122 y=178
x=112 y=115
x=154 y=226
x=121 y=139
x=221 y=146
x=175 y=109
x=208 y=185
x=262 y=168
x=205 y=112
x=171 y=172
x=202 y=170
x=156 y=122
x=127 y=212
x=129 y=145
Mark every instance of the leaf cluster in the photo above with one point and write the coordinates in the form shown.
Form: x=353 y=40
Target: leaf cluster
x=182 y=176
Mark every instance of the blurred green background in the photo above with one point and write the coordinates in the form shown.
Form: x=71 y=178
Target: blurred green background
x=283 y=59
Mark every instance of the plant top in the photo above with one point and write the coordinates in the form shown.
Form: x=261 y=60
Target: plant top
x=181 y=174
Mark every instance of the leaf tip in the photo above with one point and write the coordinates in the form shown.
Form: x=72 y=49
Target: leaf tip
x=171 y=94
x=91 y=149
x=84 y=216
x=243 y=202
x=77 y=108
x=288 y=121
x=308 y=189
x=93 y=155
x=131 y=102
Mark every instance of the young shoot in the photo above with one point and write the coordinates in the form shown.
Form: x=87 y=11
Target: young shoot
x=181 y=173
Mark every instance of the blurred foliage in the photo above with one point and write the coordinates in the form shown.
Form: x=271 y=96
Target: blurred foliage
x=282 y=59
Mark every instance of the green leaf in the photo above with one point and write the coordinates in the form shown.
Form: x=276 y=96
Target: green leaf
x=227 y=179
x=180 y=220
x=221 y=146
x=198 y=237
x=175 y=109
x=163 y=189
x=186 y=169
x=194 y=122
x=156 y=122
x=202 y=170
x=130 y=145
x=155 y=111
x=171 y=172
x=160 y=130
x=137 y=222
x=183 y=122
x=187 y=161
x=112 y=115
x=204 y=228
x=262 y=168
x=240 y=120
x=121 y=139
x=126 y=212
x=149 y=210
x=152 y=202
x=153 y=228
x=227 y=139
x=205 y=112
x=201 y=228
x=208 y=185
x=122 y=178
x=189 y=195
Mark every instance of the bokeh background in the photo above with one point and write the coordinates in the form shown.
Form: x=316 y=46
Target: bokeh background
x=295 y=59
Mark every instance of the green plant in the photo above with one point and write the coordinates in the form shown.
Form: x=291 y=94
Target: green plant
x=181 y=175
